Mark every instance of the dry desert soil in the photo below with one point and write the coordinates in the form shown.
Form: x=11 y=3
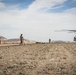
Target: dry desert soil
x=38 y=59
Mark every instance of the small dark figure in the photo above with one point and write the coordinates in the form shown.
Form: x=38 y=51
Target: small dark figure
x=75 y=38
x=49 y=40
x=21 y=39
x=0 y=41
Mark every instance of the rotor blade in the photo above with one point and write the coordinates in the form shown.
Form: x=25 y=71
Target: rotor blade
x=65 y=30
x=61 y=30
x=72 y=30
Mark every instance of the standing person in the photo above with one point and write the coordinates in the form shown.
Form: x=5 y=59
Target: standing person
x=49 y=40
x=21 y=39
x=75 y=38
x=0 y=40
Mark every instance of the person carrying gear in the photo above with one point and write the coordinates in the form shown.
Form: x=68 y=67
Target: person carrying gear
x=21 y=39
x=49 y=40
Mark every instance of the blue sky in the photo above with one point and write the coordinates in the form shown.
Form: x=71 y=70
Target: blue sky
x=37 y=19
x=21 y=3
x=62 y=7
x=56 y=8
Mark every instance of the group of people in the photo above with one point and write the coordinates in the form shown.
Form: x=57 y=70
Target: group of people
x=21 y=39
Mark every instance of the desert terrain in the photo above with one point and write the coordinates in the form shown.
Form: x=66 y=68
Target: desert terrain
x=38 y=59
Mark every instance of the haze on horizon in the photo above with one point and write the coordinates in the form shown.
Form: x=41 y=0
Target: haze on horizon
x=38 y=19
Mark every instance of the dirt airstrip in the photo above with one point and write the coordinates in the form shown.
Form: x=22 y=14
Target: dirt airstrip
x=38 y=59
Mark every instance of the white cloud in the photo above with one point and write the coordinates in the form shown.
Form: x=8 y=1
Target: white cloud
x=44 y=4
x=38 y=25
x=72 y=10
x=2 y=5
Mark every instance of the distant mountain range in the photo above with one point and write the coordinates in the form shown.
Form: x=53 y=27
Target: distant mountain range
x=14 y=39
x=2 y=38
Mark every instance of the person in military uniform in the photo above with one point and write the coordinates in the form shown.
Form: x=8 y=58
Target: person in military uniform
x=75 y=38
x=21 y=39
x=49 y=40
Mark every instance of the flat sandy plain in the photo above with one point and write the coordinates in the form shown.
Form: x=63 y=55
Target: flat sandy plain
x=38 y=59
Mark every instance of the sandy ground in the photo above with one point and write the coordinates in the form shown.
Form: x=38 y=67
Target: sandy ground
x=38 y=59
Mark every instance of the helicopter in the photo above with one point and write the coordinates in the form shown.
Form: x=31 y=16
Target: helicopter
x=70 y=31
